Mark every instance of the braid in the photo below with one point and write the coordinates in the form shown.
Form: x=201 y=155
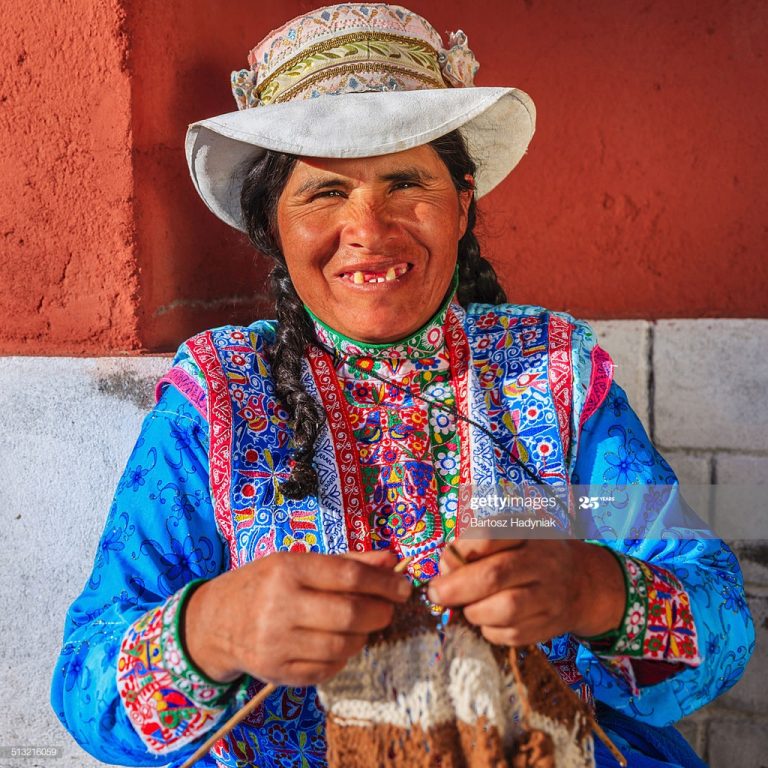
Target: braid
x=294 y=334
x=261 y=190
x=478 y=282
x=264 y=182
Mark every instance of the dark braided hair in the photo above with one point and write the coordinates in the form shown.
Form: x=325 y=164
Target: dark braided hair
x=264 y=183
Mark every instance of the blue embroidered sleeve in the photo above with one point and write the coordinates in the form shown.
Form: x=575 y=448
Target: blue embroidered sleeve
x=124 y=705
x=615 y=450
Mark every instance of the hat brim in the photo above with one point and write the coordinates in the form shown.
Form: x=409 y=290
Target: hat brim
x=497 y=124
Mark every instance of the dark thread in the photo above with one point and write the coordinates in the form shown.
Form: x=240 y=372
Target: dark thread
x=264 y=183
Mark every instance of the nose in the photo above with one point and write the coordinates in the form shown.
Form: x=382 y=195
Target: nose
x=367 y=225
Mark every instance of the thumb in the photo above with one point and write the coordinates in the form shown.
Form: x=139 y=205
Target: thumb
x=382 y=558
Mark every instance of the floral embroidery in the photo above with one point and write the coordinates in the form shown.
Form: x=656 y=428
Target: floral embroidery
x=168 y=701
x=501 y=368
x=405 y=466
x=657 y=622
x=369 y=47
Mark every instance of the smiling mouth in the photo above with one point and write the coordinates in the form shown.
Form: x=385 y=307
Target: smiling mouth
x=362 y=277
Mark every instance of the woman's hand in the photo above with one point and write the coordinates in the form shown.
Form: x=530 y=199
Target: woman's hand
x=525 y=591
x=291 y=618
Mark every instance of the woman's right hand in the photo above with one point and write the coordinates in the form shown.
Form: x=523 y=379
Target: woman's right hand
x=291 y=618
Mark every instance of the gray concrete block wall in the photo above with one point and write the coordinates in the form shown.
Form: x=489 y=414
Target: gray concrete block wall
x=704 y=384
x=629 y=344
x=709 y=395
x=68 y=425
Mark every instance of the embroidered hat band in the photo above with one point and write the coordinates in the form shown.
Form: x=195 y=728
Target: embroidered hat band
x=352 y=49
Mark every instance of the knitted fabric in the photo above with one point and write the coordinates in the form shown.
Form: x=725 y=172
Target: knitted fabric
x=424 y=693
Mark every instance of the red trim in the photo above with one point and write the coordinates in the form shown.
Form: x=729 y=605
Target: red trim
x=460 y=359
x=560 y=373
x=652 y=671
x=599 y=384
x=345 y=448
x=220 y=430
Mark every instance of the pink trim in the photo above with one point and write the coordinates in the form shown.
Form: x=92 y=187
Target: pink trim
x=220 y=428
x=188 y=387
x=560 y=373
x=599 y=384
x=347 y=460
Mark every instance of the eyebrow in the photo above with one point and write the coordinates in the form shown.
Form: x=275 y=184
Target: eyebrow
x=411 y=173
x=317 y=184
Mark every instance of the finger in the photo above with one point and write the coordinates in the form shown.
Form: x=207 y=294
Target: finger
x=354 y=574
x=302 y=673
x=344 y=613
x=507 y=608
x=463 y=551
x=321 y=646
x=380 y=558
x=534 y=630
x=476 y=549
x=482 y=578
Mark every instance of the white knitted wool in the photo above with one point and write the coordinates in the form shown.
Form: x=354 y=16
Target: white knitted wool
x=418 y=681
x=403 y=683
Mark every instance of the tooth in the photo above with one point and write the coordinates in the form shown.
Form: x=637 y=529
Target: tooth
x=391 y=274
x=358 y=279
x=380 y=279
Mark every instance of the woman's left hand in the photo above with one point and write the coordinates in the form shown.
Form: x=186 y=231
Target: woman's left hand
x=526 y=591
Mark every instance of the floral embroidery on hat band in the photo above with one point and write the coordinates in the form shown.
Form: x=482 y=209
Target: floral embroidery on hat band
x=352 y=49
x=362 y=47
x=320 y=66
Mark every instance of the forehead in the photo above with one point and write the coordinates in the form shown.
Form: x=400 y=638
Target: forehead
x=423 y=159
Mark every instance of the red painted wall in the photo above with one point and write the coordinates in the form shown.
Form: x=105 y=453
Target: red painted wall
x=642 y=195
x=67 y=265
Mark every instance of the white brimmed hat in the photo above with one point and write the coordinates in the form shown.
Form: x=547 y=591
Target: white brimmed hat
x=356 y=80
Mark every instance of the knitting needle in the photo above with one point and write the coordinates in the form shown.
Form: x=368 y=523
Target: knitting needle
x=568 y=691
x=246 y=710
x=236 y=719
x=455 y=552
x=622 y=761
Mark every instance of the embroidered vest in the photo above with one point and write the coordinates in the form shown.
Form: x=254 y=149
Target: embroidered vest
x=527 y=377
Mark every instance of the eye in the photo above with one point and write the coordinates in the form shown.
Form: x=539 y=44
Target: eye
x=326 y=193
x=405 y=185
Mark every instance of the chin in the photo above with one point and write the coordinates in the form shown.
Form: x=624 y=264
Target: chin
x=380 y=333
x=382 y=322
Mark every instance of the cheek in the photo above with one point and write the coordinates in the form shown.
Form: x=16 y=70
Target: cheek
x=306 y=242
x=442 y=237
x=440 y=224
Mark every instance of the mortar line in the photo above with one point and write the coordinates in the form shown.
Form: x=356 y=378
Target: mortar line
x=711 y=506
x=651 y=383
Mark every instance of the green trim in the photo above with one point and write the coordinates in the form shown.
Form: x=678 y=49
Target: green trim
x=606 y=642
x=437 y=318
x=185 y=594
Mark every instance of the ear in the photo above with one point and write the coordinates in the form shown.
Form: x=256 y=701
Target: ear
x=465 y=200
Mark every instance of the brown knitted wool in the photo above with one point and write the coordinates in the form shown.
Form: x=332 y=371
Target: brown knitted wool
x=427 y=696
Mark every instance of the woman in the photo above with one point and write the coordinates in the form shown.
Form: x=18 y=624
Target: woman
x=395 y=374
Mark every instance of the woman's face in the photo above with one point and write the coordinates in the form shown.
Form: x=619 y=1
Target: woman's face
x=371 y=243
